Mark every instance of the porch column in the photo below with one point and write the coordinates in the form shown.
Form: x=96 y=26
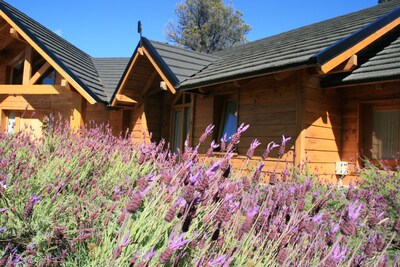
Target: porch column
x=78 y=106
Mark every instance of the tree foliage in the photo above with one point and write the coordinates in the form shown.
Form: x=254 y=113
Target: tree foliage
x=207 y=26
x=383 y=1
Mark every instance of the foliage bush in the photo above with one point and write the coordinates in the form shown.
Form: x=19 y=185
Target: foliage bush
x=91 y=199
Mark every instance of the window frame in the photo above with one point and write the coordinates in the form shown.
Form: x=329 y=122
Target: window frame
x=366 y=109
x=187 y=103
x=220 y=109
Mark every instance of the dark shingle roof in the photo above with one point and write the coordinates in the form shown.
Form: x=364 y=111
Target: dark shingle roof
x=74 y=61
x=295 y=48
x=183 y=63
x=110 y=71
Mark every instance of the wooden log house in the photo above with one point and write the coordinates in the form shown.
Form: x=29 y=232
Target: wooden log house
x=332 y=86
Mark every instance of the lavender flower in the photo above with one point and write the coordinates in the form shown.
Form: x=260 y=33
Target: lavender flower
x=214 y=168
x=206 y=133
x=337 y=256
x=236 y=136
x=210 y=151
x=253 y=146
x=268 y=149
x=217 y=262
x=348 y=226
x=173 y=244
x=223 y=143
x=29 y=206
x=3 y=210
x=283 y=145
x=124 y=243
x=2 y=229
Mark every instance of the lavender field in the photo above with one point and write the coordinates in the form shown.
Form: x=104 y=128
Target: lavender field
x=92 y=199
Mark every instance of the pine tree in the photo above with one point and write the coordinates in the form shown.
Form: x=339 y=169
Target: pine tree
x=207 y=26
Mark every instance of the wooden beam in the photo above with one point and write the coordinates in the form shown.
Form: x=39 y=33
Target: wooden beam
x=339 y=59
x=40 y=89
x=125 y=79
x=27 y=73
x=126 y=99
x=78 y=106
x=3 y=126
x=49 y=59
x=169 y=85
x=149 y=83
x=140 y=51
x=39 y=73
x=14 y=34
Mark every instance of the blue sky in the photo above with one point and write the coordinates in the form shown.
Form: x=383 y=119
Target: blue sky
x=105 y=28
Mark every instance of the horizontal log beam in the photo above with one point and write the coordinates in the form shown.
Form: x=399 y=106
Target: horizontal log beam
x=125 y=99
x=39 y=89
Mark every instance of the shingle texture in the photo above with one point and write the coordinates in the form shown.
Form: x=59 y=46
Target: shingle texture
x=110 y=71
x=290 y=49
x=182 y=62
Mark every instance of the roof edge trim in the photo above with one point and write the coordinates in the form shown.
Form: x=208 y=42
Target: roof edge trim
x=338 y=52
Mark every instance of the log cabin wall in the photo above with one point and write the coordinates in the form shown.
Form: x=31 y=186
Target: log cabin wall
x=322 y=113
x=267 y=103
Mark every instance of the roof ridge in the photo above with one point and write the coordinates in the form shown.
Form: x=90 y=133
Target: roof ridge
x=183 y=49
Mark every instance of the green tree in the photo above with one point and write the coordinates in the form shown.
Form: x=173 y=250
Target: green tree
x=383 y=1
x=207 y=26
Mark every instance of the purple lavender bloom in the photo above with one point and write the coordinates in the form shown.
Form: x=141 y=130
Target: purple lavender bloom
x=125 y=241
x=2 y=229
x=339 y=254
x=268 y=149
x=253 y=146
x=206 y=133
x=242 y=128
x=354 y=211
x=283 y=145
x=214 y=168
x=150 y=254
x=224 y=139
x=217 y=262
x=35 y=199
x=194 y=179
x=213 y=146
x=3 y=210
x=177 y=243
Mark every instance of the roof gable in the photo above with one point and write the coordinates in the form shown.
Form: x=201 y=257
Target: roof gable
x=71 y=62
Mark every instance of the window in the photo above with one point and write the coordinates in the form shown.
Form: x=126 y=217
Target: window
x=48 y=78
x=181 y=121
x=229 y=119
x=12 y=122
x=381 y=131
x=17 y=71
x=225 y=116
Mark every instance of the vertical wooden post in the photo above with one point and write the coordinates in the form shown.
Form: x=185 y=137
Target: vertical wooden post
x=3 y=126
x=78 y=106
x=27 y=65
